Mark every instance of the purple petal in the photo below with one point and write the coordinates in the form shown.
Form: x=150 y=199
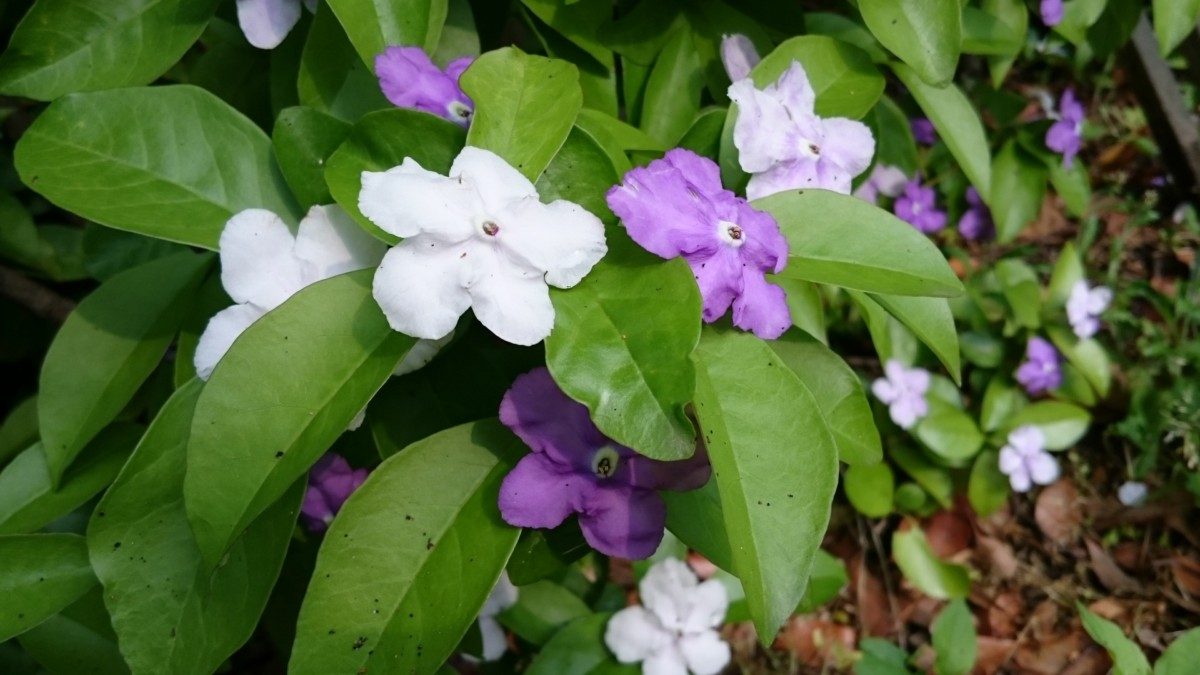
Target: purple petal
x=923 y=130
x=541 y=493
x=719 y=277
x=680 y=476
x=1041 y=350
x=664 y=211
x=458 y=66
x=761 y=307
x=410 y=79
x=316 y=510
x=1052 y=12
x=538 y=412
x=623 y=521
x=766 y=248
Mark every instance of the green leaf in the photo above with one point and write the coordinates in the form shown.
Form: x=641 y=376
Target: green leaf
x=581 y=172
x=332 y=79
x=1015 y=14
x=934 y=479
x=1181 y=655
x=925 y=34
x=524 y=106
x=776 y=471
x=303 y=139
x=957 y=123
x=374 y=25
x=65 y=46
x=827 y=581
x=579 y=648
x=881 y=657
x=1000 y=401
x=40 y=574
x=988 y=487
x=1063 y=424
x=1021 y=289
x=890 y=338
x=1173 y=20
x=19 y=430
x=949 y=433
x=1088 y=356
x=77 y=640
x=846 y=82
x=931 y=321
x=542 y=554
x=411 y=557
x=981 y=349
x=107 y=348
x=894 y=142
x=621 y=345
x=985 y=33
x=842 y=240
x=27 y=499
x=1068 y=270
x=108 y=252
x=279 y=398
x=697 y=519
x=847 y=30
x=954 y=639
x=805 y=305
x=870 y=487
x=1073 y=185
x=541 y=609
x=673 y=90
x=460 y=36
x=923 y=569
x=1078 y=17
x=1018 y=187
x=703 y=137
x=170 y=614
x=1126 y=655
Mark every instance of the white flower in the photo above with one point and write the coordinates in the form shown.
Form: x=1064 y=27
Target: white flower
x=903 y=390
x=263 y=264
x=1084 y=307
x=503 y=596
x=1133 y=493
x=1025 y=460
x=266 y=23
x=478 y=239
x=673 y=632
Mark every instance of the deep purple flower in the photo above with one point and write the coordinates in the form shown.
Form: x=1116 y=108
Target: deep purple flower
x=1066 y=135
x=1041 y=371
x=976 y=222
x=1052 y=12
x=1025 y=461
x=675 y=206
x=923 y=131
x=575 y=469
x=918 y=206
x=330 y=484
x=410 y=79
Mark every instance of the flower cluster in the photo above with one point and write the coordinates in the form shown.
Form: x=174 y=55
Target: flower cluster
x=976 y=222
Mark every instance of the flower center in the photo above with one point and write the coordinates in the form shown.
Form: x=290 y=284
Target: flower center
x=490 y=228
x=809 y=149
x=604 y=462
x=731 y=233
x=459 y=110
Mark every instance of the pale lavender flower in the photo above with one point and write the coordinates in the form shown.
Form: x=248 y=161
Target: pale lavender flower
x=1042 y=370
x=903 y=390
x=266 y=23
x=1025 y=460
x=410 y=79
x=738 y=55
x=1066 y=135
x=923 y=130
x=330 y=484
x=1084 y=307
x=918 y=206
x=976 y=222
x=675 y=206
x=1133 y=493
x=784 y=145
x=886 y=181
x=1052 y=12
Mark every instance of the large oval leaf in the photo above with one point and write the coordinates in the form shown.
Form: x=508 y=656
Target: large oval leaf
x=169 y=162
x=673 y=90
x=410 y=558
x=925 y=34
x=303 y=139
x=923 y=569
x=374 y=25
x=279 y=398
x=40 y=574
x=931 y=321
x=579 y=648
x=842 y=240
x=1173 y=20
x=332 y=79
x=78 y=639
x=1063 y=424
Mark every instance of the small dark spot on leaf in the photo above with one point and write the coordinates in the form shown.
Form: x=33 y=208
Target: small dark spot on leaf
x=360 y=642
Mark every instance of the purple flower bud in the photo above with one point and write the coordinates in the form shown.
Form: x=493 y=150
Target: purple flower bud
x=923 y=130
x=739 y=56
x=918 y=206
x=330 y=484
x=976 y=222
x=410 y=79
x=1041 y=371
x=1052 y=12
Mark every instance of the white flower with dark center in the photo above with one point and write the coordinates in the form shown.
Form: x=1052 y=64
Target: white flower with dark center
x=673 y=631
x=477 y=239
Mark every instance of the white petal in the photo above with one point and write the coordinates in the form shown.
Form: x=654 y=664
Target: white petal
x=1027 y=439
x=1019 y=480
x=705 y=653
x=633 y=634
x=494 y=641
x=497 y=183
x=667 y=661
x=1010 y=460
x=794 y=91
x=333 y=244
x=904 y=413
x=357 y=421
x=511 y=300
x=562 y=239
x=666 y=590
x=407 y=200
x=849 y=144
x=1043 y=468
x=707 y=604
x=218 y=336
x=504 y=595
x=421 y=354
x=420 y=287
x=267 y=22
x=764 y=133
x=258 y=261
x=884 y=390
x=1099 y=299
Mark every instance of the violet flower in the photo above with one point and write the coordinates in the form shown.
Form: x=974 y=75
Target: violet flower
x=918 y=206
x=265 y=23
x=1066 y=135
x=410 y=79
x=738 y=56
x=1052 y=12
x=1084 y=307
x=903 y=390
x=784 y=145
x=976 y=222
x=884 y=180
x=923 y=130
x=1025 y=461
x=330 y=484
x=1041 y=371
x=675 y=206
x=575 y=469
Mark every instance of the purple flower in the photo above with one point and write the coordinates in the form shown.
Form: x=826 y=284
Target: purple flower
x=739 y=56
x=976 y=222
x=576 y=469
x=410 y=79
x=1025 y=461
x=330 y=484
x=1084 y=307
x=1066 y=135
x=884 y=180
x=1052 y=12
x=784 y=144
x=1041 y=371
x=265 y=23
x=918 y=206
x=923 y=131
x=903 y=390
x=675 y=206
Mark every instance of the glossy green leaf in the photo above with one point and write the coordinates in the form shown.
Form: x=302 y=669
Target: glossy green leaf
x=923 y=569
x=1015 y=15
x=805 y=305
x=579 y=648
x=460 y=36
x=108 y=252
x=697 y=519
x=981 y=349
x=621 y=345
x=842 y=240
x=894 y=141
x=1127 y=657
x=542 y=554
x=40 y=574
x=934 y=479
x=332 y=78
x=1018 y=187
x=846 y=82
x=1019 y=284
x=541 y=609
x=279 y=398
x=931 y=322
x=65 y=46
x=107 y=348
x=1068 y=270
x=1181 y=655
x=1063 y=424
x=19 y=430
x=1173 y=20
x=582 y=172
x=950 y=433
x=880 y=657
x=88 y=153
x=847 y=30
x=775 y=464
x=77 y=640
x=954 y=640
x=524 y=106
x=988 y=487
x=303 y=139
x=985 y=33
x=703 y=137
x=1073 y=185
x=1078 y=17
x=889 y=337
x=870 y=488
x=411 y=557
x=826 y=582
x=1000 y=401
x=374 y=25
x=673 y=90
x=925 y=34
x=1087 y=356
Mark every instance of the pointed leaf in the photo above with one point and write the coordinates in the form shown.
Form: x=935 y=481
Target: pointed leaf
x=40 y=574
x=374 y=25
x=925 y=34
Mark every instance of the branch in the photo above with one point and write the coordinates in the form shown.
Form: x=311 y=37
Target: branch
x=37 y=298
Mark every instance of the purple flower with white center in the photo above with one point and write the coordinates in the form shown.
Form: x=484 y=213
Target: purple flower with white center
x=1041 y=371
x=903 y=390
x=410 y=79
x=330 y=484
x=976 y=222
x=1084 y=307
x=1025 y=460
x=266 y=23
x=575 y=469
x=923 y=130
x=887 y=181
x=738 y=55
x=675 y=206
x=784 y=144
x=1052 y=12
x=1066 y=135
x=918 y=207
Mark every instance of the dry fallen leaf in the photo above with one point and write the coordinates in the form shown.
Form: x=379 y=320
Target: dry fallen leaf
x=996 y=557
x=874 y=614
x=1107 y=570
x=1057 y=512
x=817 y=643
x=948 y=533
x=992 y=654
x=1186 y=571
